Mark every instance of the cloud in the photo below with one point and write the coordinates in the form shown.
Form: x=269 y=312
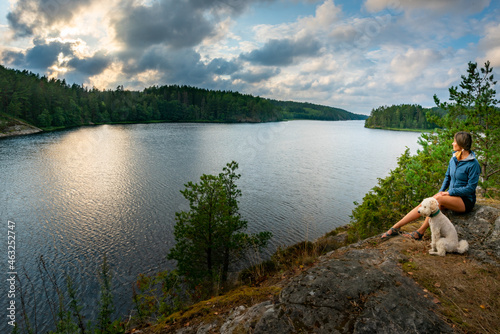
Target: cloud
x=56 y=55
x=173 y=23
x=186 y=67
x=490 y=45
x=40 y=57
x=355 y=55
x=221 y=66
x=257 y=76
x=28 y=16
x=412 y=64
x=90 y=66
x=174 y=66
x=437 y=6
x=165 y=37
x=327 y=15
x=283 y=52
x=15 y=58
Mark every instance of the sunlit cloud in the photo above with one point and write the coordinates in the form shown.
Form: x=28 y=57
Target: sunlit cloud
x=106 y=79
x=412 y=65
x=490 y=44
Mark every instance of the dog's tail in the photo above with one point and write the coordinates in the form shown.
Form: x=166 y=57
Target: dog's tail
x=463 y=246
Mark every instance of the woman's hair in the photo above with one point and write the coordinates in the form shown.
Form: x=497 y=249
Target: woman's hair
x=464 y=140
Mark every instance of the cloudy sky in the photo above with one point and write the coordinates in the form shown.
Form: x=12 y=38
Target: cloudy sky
x=352 y=54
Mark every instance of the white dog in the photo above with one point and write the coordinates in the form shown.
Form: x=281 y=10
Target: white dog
x=444 y=235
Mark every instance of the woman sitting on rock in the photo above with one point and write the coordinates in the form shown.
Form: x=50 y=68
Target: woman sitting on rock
x=460 y=179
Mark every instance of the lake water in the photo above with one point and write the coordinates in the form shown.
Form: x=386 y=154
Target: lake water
x=113 y=190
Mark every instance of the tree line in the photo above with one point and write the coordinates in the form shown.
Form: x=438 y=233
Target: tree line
x=52 y=103
x=305 y=110
x=403 y=116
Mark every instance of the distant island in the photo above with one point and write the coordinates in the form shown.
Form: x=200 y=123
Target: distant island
x=53 y=104
x=402 y=117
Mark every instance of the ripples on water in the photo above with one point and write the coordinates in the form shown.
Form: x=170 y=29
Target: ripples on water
x=79 y=194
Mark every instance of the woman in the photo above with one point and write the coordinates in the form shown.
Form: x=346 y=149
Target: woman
x=461 y=181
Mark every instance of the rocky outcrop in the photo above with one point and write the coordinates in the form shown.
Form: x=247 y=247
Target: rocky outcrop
x=359 y=291
x=362 y=288
x=17 y=128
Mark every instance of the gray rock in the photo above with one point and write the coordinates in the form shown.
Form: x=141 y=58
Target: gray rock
x=205 y=328
x=242 y=319
x=364 y=291
x=481 y=228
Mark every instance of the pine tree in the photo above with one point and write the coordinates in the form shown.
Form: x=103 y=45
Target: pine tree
x=472 y=108
x=211 y=235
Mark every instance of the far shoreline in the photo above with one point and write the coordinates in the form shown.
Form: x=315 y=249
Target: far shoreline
x=24 y=129
x=399 y=129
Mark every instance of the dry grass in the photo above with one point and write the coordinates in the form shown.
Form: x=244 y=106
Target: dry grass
x=489 y=202
x=289 y=261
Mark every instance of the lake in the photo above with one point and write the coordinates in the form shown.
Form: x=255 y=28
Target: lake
x=74 y=196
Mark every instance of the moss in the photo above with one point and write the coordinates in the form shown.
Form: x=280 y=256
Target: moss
x=409 y=266
x=209 y=310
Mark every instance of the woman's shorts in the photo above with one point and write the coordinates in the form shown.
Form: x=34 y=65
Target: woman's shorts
x=469 y=205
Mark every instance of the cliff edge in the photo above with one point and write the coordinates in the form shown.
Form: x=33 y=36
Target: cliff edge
x=374 y=287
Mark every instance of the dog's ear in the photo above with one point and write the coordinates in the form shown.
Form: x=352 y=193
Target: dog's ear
x=434 y=205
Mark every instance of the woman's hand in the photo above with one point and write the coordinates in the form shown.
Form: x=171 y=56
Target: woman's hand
x=441 y=194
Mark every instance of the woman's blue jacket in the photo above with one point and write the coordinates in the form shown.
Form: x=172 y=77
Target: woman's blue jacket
x=462 y=177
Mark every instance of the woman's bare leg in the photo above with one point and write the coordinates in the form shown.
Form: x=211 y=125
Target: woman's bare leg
x=410 y=216
x=424 y=226
x=453 y=203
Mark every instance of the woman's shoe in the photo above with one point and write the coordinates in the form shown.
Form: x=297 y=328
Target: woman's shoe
x=416 y=235
x=393 y=232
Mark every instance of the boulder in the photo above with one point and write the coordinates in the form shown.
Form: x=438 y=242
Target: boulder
x=481 y=228
x=362 y=291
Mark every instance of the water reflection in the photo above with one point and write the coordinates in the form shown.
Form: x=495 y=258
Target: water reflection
x=92 y=180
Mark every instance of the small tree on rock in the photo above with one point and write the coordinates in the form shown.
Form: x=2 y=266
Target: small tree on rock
x=211 y=235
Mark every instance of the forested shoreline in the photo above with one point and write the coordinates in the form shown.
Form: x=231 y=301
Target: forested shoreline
x=403 y=116
x=52 y=103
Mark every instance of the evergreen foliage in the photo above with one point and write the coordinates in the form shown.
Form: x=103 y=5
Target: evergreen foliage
x=473 y=107
x=52 y=103
x=403 y=116
x=211 y=235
